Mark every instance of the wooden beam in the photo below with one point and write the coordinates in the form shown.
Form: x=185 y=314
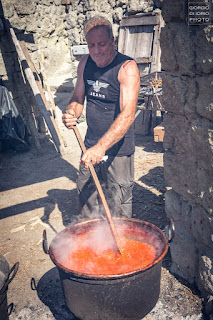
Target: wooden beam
x=155 y=65
x=38 y=82
x=46 y=86
x=143 y=60
x=30 y=77
x=140 y=21
x=51 y=99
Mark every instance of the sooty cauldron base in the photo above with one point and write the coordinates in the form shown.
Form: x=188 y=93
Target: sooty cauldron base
x=128 y=296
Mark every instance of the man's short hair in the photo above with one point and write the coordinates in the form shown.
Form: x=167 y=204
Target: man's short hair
x=98 y=21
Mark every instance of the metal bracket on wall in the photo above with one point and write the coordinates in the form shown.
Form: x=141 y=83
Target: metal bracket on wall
x=67 y=4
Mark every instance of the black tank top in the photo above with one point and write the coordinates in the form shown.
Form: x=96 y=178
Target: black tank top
x=102 y=90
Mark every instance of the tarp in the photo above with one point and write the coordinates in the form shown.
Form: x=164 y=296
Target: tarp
x=12 y=128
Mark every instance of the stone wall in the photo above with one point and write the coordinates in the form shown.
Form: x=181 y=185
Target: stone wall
x=187 y=59
x=51 y=29
x=47 y=27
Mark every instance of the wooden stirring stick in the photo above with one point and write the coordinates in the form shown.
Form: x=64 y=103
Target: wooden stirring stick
x=101 y=194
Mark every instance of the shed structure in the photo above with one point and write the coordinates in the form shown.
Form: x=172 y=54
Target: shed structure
x=139 y=38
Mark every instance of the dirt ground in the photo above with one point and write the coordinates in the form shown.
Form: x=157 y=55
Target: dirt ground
x=39 y=192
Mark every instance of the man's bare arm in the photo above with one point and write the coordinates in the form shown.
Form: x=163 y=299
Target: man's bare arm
x=75 y=106
x=129 y=79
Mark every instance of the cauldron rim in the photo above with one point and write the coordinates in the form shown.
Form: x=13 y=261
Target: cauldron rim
x=88 y=276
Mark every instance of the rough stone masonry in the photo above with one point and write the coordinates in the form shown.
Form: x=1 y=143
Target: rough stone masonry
x=187 y=58
x=187 y=54
x=46 y=26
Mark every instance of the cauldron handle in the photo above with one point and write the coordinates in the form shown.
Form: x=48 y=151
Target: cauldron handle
x=45 y=243
x=14 y=269
x=170 y=231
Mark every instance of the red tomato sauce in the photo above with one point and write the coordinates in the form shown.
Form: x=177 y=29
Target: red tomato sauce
x=84 y=259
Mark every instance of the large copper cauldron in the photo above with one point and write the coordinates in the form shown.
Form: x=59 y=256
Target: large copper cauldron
x=113 y=297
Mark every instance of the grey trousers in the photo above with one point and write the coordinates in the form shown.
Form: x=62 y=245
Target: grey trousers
x=116 y=176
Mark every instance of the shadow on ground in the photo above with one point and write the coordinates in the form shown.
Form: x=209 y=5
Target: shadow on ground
x=23 y=169
x=148 y=144
x=65 y=200
x=50 y=293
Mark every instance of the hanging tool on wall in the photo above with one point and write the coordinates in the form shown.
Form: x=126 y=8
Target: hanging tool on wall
x=155 y=84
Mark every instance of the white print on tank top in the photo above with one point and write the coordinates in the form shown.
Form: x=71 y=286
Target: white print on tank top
x=97 y=85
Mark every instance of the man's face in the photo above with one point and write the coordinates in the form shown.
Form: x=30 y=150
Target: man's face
x=101 y=47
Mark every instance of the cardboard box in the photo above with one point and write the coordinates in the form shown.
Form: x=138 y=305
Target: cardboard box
x=159 y=133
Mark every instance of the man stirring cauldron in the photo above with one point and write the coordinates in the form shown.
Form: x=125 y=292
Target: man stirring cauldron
x=110 y=81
